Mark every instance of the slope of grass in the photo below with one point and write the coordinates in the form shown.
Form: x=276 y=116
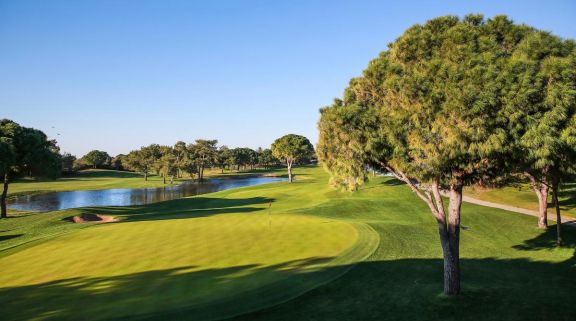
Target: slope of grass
x=524 y=197
x=207 y=257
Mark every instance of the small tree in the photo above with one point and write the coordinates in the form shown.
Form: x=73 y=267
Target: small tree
x=242 y=157
x=204 y=153
x=119 y=162
x=180 y=154
x=96 y=158
x=143 y=160
x=68 y=162
x=222 y=157
x=266 y=159
x=166 y=164
x=291 y=148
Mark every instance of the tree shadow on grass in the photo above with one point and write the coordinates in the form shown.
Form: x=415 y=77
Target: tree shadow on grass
x=567 y=196
x=9 y=237
x=411 y=290
x=392 y=182
x=180 y=293
x=406 y=289
x=547 y=240
x=184 y=208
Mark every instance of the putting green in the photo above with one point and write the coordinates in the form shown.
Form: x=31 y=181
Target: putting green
x=202 y=268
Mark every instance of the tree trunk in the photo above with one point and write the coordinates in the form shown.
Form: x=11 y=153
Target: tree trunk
x=164 y=179
x=449 y=231
x=543 y=207
x=171 y=179
x=289 y=171
x=145 y=176
x=3 y=210
x=450 y=240
x=558 y=216
x=541 y=190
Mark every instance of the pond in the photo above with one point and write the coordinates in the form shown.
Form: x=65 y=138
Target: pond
x=54 y=201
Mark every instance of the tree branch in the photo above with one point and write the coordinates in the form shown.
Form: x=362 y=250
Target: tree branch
x=438 y=197
x=440 y=217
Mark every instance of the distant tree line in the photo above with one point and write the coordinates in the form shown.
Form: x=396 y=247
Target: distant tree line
x=176 y=161
x=28 y=152
x=182 y=159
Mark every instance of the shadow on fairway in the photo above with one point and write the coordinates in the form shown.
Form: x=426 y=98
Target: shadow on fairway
x=392 y=182
x=567 y=196
x=181 y=293
x=408 y=289
x=9 y=237
x=404 y=289
x=184 y=208
x=411 y=289
x=547 y=240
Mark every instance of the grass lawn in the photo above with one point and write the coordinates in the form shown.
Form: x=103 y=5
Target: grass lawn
x=328 y=255
x=91 y=179
x=274 y=171
x=524 y=197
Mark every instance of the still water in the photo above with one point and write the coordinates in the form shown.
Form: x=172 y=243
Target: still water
x=54 y=201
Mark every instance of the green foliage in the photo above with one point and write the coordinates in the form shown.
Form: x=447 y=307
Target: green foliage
x=96 y=158
x=341 y=143
x=243 y=156
x=7 y=156
x=452 y=100
x=203 y=153
x=145 y=159
x=31 y=153
x=541 y=102
x=68 y=162
x=118 y=162
x=266 y=159
x=292 y=148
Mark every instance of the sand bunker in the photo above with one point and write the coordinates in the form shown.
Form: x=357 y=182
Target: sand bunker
x=86 y=218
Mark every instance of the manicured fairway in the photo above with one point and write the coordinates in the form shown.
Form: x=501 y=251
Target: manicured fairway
x=91 y=179
x=215 y=255
x=524 y=197
x=207 y=267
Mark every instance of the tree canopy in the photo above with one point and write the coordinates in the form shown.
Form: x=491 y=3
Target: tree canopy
x=292 y=148
x=437 y=110
x=540 y=101
x=25 y=151
x=96 y=158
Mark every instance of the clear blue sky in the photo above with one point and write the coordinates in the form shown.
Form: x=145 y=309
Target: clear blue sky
x=116 y=75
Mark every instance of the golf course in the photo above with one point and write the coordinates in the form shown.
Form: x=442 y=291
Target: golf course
x=280 y=252
x=287 y=161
